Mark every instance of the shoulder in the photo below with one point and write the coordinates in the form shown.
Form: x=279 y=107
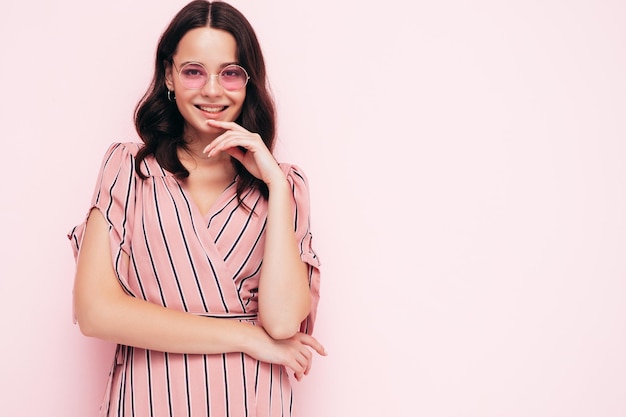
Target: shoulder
x=119 y=153
x=293 y=172
x=126 y=149
x=298 y=182
x=125 y=153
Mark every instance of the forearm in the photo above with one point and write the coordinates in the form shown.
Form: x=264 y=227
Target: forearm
x=134 y=322
x=284 y=295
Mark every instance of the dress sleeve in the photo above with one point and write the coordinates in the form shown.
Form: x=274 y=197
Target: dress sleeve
x=114 y=196
x=302 y=226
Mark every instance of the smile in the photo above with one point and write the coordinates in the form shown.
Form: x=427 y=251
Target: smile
x=212 y=109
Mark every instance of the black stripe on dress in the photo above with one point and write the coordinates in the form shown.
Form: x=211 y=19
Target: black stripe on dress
x=152 y=264
x=167 y=249
x=213 y=271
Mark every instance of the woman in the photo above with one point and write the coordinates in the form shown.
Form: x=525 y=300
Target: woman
x=195 y=257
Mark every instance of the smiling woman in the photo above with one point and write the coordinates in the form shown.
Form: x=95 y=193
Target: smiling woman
x=196 y=257
x=199 y=95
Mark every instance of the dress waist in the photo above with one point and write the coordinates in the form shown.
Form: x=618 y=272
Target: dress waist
x=235 y=316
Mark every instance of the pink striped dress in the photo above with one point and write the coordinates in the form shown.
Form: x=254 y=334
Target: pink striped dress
x=206 y=265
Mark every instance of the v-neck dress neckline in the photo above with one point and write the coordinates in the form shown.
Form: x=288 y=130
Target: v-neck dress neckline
x=223 y=198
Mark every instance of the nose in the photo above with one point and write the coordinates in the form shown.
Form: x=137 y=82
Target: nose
x=212 y=86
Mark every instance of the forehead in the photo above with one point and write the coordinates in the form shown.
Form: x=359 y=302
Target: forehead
x=208 y=46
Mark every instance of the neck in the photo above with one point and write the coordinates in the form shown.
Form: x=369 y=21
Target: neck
x=192 y=157
x=194 y=152
x=195 y=161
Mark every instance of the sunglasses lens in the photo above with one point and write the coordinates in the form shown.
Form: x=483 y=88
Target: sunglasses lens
x=233 y=77
x=193 y=76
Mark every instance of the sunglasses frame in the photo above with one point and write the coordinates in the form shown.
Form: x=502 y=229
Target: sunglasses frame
x=209 y=75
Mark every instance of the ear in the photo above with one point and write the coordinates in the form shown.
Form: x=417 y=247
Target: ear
x=169 y=71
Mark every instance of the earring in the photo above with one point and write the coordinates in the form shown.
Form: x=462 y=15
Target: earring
x=171 y=96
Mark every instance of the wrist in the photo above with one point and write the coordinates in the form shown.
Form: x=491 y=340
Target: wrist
x=278 y=183
x=251 y=339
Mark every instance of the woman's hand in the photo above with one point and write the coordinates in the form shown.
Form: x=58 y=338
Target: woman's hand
x=246 y=147
x=295 y=353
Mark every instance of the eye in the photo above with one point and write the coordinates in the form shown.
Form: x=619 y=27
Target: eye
x=233 y=72
x=193 y=71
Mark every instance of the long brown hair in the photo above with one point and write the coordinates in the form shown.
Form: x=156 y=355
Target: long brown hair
x=158 y=121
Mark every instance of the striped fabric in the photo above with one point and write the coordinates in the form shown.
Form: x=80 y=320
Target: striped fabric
x=206 y=265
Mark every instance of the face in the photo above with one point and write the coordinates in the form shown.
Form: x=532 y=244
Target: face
x=214 y=49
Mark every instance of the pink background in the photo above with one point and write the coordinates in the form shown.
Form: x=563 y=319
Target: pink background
x=467 y=164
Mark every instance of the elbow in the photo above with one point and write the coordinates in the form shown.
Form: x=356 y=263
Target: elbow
x=279 y=328
x=86 y=329
x=282 y=331
x=284 y=322
x=87 y=325
x=90 y=320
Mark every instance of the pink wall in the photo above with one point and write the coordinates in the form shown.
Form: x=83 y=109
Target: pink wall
x=467 y=164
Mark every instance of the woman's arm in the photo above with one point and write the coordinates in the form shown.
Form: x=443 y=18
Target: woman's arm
x=105 y=311
x=284 y=294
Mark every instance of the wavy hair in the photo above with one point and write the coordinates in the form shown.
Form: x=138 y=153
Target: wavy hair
x=158 y=121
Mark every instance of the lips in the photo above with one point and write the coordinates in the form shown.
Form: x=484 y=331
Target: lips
x=212 y=109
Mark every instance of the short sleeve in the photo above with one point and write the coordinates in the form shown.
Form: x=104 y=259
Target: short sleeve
x=304 y=237
x=114 y=196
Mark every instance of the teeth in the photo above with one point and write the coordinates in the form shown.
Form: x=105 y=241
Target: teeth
x=211 y=109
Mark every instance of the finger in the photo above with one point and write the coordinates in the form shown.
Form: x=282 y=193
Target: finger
x=296 y=367
x=303 y=359
x=308 y=366
x=313 y=343
x=218 y=141
x=308 y=355
x=230 y=140
x=226 y=125
x=309 y=362
x=236 y=153
x=223 y=144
